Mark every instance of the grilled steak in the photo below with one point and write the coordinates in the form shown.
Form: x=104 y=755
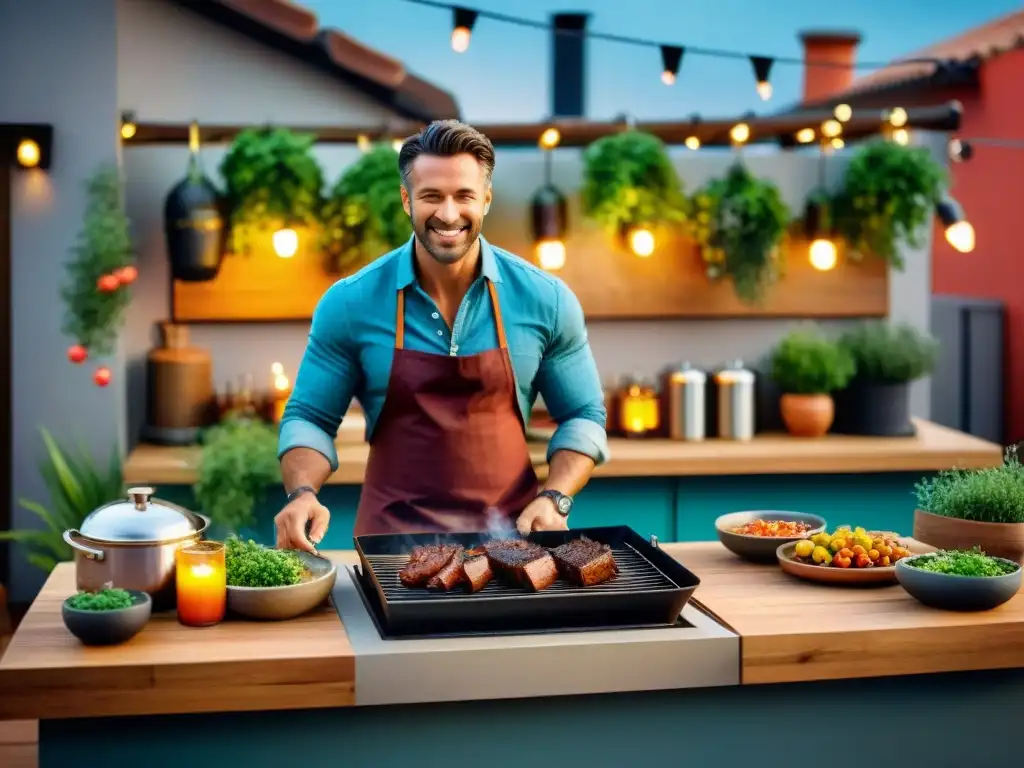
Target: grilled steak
x=425 y=562
x=451 y=575
x=524 y=563
x=585 y=562
x=477 y=572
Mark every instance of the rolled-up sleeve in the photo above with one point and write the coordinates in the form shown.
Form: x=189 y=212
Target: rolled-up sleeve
x=326 y=381
x=570 y=384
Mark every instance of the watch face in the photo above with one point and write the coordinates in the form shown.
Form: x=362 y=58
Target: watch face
x=564 y=505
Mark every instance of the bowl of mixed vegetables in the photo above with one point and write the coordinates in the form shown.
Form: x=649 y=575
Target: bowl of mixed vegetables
x=959 y=580
x=275 y=584
x=756 y=535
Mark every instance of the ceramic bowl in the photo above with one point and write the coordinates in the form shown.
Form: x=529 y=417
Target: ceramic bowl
x=108 y=627
x=957 y=593
x=279 y=603
x=762 y=549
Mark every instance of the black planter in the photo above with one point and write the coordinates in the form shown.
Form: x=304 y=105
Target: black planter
x=194 y=224
x=877 y=410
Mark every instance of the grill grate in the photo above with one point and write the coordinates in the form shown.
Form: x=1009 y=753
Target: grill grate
x=635 y=573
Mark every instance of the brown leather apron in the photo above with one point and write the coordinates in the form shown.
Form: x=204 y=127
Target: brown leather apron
x=449 y=448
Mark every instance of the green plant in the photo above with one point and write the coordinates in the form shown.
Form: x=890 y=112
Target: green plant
x=250 y=564
x=971 y=563
x=988 y=495
x=112 y=599
x=76 y=486
x=95 y=299
x=272 y=180
x=363 y=216
x=629 y=180
x=738 y=223
x=237 y=464
x=807 y=363
x=890 y=354
x=888 y=194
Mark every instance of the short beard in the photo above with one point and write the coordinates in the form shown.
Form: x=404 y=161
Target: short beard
x=444 y=255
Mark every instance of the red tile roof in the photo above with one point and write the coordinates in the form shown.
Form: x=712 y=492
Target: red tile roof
x=295 y=30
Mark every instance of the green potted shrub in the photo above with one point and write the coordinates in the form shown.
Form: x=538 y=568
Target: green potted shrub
x=807 y=368
x=739 y=222
x=965 y=508
x=887 y=357
x=109 y=616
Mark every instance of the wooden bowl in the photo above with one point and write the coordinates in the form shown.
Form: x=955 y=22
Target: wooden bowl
x=957 y=593
x=280 y=603
x=762 y=549
x=827 y=574
x=996 y=539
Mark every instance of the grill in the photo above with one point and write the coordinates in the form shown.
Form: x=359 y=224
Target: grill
x=649 y=591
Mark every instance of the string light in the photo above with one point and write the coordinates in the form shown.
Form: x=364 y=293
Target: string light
x=762 y=69
x=363 y=142
x=396 y=144
x=671 y=59
x=128 y=126
x=831 y=128
x=28 y=153
x=805 y=135
x=843 y=113
x=286 y=243
x=837 y=143
x=898 y=117
x=959 y=231
x=901 y=136
x=463 y=20
x=692 y=142
x=739 y=133
x=550 y=138
x=641 y=241
x=959 y=151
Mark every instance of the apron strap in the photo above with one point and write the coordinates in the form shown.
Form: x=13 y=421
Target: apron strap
x=400 y=321
x=502 y=341
x=499 y=325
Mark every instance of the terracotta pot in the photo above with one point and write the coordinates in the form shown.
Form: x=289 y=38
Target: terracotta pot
x=807 y=415
x=996 y=539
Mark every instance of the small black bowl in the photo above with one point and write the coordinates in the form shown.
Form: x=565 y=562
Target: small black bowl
x=109 y=627
x=948 y=592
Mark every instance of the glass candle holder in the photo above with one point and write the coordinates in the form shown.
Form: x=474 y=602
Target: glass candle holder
x=201 y=577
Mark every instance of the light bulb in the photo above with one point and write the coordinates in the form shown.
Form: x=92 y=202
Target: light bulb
x=961 y=236
x=396 y=145
x=901 y=136
x=277 y=369
x=823 y=255
x=668 y=77
x=460 y=39
x=764 y=90
x=831 y=128
x=363 y=142
x=286 y=243
x=127 y=130
x=739 y=133
x=898 y=117
x=805 y=135
x=837 y=143
x=843 y=112
x=28 y=153
x=692 y=142
x=550 y=254
x=281 y=382
x=550 y=138
x=641 y=242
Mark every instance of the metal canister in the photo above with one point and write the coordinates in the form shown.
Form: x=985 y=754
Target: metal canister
x=683 y=392
x=735 y=402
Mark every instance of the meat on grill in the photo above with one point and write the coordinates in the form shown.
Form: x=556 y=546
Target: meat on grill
x=585 y=562
x=425 y=562
x=477 y=571
x=523 y=563
x=451 y=575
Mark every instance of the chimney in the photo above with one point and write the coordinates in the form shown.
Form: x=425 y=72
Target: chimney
x=568 y=64
x=836 y=48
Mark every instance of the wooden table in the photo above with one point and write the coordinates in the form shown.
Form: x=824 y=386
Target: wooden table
x=935 y=447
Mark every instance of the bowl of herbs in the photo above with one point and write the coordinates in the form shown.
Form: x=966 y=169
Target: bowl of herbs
x=959 y=580
x=108 y=616
x=275 y=584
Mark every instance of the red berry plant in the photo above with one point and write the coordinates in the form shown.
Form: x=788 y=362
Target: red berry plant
x=97 y=275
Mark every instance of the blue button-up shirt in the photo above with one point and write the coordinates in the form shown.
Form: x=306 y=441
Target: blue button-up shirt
x=352 y=339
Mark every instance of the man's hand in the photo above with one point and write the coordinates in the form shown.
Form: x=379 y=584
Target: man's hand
x=291 y=524
x=541 y=515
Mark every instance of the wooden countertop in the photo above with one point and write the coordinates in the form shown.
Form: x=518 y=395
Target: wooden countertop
x=933 y=448
x=790 y=631
x=793 y=631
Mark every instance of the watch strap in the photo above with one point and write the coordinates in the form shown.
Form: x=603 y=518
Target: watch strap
x=563 y=503
x=299 y=491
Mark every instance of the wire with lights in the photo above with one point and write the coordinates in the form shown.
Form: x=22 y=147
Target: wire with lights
x=464 y=21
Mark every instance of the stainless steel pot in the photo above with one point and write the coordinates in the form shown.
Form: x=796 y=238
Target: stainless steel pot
x=131 y=544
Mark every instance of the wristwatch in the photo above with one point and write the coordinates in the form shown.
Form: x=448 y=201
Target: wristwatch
x=299 y=491
x=563 y=503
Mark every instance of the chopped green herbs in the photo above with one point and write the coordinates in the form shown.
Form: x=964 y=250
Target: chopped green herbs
x=253 y=565
x=104 y=600
x=963 y=563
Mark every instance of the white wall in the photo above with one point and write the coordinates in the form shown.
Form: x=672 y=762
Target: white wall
x=58 y=64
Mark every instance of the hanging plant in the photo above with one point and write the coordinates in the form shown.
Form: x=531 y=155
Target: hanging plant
x=363 y=216
x=95 y=291
x=888 y=195
x=629 y=181
x=272 y=181
x=738 y=223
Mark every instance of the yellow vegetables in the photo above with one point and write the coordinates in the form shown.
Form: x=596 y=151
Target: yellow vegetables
x=850 y=548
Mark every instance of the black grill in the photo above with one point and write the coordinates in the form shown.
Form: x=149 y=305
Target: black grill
x=650 y=590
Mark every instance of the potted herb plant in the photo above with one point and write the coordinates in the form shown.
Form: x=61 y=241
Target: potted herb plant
x=108 y=616
x=887 y=358
x=739 y=222
x=629 y=183
x=363 y=217
x=807 y=367
x=272 y=181
x=964 y=508
x=888 y=195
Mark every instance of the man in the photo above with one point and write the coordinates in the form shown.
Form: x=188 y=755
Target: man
x=446 y=343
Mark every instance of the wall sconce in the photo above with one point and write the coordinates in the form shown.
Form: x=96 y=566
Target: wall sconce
x=128 y=126
x=959 y=231
x=549 y=217
x=27 y=145
x=823 y=254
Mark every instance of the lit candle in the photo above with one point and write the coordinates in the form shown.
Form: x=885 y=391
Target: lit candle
x=201 y=577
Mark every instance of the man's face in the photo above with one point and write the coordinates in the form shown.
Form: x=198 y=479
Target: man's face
x=446 y=201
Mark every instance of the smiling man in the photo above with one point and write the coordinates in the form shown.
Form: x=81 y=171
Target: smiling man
x=446 y=343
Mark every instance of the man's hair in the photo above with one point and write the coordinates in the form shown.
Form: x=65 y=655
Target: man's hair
x=446 y=138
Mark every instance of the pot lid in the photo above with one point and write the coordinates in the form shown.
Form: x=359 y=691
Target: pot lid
x=140 y=518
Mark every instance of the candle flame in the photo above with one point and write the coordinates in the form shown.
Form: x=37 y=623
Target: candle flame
x=202 y=570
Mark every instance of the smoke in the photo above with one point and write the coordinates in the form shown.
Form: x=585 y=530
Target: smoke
x=499 y=527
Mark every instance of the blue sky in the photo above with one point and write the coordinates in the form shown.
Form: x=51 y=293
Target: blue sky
x=504 y=76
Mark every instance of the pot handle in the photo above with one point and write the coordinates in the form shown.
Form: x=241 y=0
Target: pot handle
x=89 y=552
